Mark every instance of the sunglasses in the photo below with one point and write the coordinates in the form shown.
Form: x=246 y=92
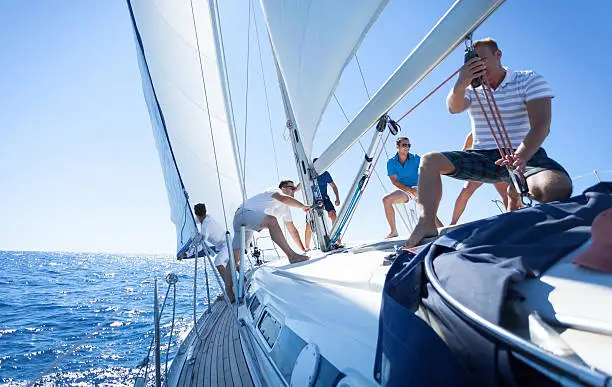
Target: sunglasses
x=290 y=187
x=405 y=145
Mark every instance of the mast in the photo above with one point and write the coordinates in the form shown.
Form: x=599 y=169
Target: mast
x=306 y=172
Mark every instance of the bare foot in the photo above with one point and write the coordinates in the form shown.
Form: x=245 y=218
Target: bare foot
x=392 y=234
x=298 y=258
x=514 y=199
x=420 y=232
x=514 y=202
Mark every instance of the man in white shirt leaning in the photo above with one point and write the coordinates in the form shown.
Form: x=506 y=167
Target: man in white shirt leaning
x=265 y=210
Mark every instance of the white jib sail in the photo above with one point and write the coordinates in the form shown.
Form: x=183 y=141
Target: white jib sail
x=185 y=87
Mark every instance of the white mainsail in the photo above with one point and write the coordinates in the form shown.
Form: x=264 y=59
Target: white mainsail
x=184 y=83
x=313 y=40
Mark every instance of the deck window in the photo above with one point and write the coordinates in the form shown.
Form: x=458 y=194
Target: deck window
x=254 y=306
x=269 y=327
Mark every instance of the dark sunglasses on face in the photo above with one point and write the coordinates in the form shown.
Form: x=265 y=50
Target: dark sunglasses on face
x=405 y=145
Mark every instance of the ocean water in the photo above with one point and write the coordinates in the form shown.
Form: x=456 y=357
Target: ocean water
x=87 y=319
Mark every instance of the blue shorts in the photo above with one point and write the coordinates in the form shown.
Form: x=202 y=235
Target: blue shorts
x=327 y=203
x=479 y=165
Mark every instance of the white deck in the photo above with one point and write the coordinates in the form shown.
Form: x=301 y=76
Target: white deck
x=333 y=301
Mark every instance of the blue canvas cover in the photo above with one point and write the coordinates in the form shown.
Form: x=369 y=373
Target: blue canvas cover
x=476 y=264
x=409 y=352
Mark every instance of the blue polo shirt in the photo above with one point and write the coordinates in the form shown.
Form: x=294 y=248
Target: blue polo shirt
x=407 y=173
x=324 y=179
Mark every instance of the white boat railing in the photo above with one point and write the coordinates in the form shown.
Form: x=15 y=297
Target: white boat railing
x=139 y=381
x=198 y=247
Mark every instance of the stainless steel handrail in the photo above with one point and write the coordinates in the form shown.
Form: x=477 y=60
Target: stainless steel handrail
x=563 y=367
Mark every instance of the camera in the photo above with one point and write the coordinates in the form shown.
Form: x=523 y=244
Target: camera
x=469 y=54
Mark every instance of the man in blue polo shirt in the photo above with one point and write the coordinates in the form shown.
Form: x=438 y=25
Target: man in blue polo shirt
x=323 y=180
x=403 y=171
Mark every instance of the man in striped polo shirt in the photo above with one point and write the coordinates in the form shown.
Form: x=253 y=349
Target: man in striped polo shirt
x=524 y=100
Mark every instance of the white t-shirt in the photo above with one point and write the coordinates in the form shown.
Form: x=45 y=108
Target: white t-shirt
x=213 y=233
x=264 y=202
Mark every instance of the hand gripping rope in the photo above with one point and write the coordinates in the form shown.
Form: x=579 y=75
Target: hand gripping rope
x=500 y=135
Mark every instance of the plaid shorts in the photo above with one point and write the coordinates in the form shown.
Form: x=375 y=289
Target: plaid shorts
x=479 y=165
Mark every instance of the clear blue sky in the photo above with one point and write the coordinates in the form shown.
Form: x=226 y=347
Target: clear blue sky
x=79 y=167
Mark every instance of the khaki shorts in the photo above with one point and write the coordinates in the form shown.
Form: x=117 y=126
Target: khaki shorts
x=248 y=218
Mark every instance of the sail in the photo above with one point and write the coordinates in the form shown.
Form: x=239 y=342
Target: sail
x=459 y=21
x=182 y=70
x=313 y=40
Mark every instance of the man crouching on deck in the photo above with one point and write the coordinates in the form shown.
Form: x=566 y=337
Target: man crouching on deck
x=524 y=101
x=264 y=211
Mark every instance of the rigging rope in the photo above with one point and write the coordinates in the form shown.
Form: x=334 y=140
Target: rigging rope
x=215 y=157
x=365 y=86
x=424 y=99
x=263 y=77
x=246 y=99
x=357 y=197
x=504 y=145
x=594 y=173
x=229 y=91
x=243 y=172
x=429 y=95
x=359 y=141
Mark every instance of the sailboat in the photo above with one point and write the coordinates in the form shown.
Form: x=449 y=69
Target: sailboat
x=343 y=318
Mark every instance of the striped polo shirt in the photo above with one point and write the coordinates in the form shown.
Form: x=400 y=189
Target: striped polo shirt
x=517 y=88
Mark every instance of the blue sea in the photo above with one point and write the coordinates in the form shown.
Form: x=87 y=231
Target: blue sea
x=87 y=319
